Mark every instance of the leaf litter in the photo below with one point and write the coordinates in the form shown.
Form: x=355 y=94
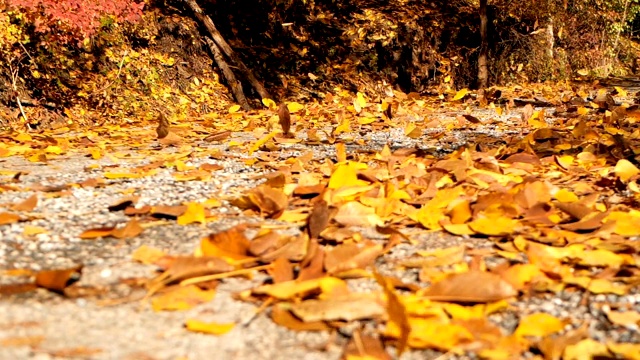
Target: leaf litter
x=559 y=203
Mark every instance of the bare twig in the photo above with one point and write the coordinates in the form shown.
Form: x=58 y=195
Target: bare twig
x=14 y=85
x=119 y=71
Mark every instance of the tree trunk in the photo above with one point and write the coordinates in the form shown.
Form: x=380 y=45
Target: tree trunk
x=483 y=70
x=236 y=86
x=226 y=49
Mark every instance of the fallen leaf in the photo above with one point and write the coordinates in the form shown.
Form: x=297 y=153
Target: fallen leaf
x=181 y=298
x=130 y=230
x=397 y=312
x=27 y=205
x=283 y=317
x=208 y=327
x=284 y=118
x=163 y=126
x=471 y=287
x=364 y=347
x=58 y=280
x=8 y=218
x=349 y=308
x=539 y=324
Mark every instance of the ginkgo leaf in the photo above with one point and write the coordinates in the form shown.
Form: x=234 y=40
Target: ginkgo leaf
x=181 y=298
x=195 y=213
x=473 y=286
x=212 y=328
x=269 y=103
x=349 y=308
x=625 y=170
x=27 y=205
x=539 y=324
x=355 y=214
x=460 y=94
x=8 y=218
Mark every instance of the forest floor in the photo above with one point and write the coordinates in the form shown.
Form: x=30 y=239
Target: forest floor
x=83 y=180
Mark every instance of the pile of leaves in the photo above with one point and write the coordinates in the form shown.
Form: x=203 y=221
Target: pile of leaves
x=560 y=206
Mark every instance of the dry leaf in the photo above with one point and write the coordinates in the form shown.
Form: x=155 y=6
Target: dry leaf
x=27 y=205
x=471 y=287
x=351 y=307
x=163 y=126
x=58 y=280
x=283 y=317
x=318 y=219
x=181 y=298
x=364 y=347
x=284 y=118
x=208 y=327
x=8 y=218
x=345 y=257
x=397 y=312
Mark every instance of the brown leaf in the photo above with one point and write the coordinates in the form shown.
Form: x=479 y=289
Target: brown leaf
x=471 y=287
x=168 y=212
x=58 y=280
x=184 y=267
x=95 y=233
x=163 y=126
x=27 y=205
x=351 y=256
x=130 y=230
x=396 y=311
x=123 y=203
x=284 y=118
x=365 y=347
x=271 y=202
x=318 y=219
x=315 y=266
x=283 y=317
x=12 y=289
x=8 y=218
x=218 y=136
x=171 y=139
x=349 y=307
x=230 y=244
x=281 y=270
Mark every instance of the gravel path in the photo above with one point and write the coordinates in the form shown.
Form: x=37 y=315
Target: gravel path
x=43 y=325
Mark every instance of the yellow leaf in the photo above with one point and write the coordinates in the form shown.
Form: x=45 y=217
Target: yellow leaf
x=345 y=126
x=234 y=109
x=626 y=351
x=586 y=349
x=194 y=213
x=494 y=226
x=566 y=196
x=621 y=92
x=626 y=223
x=113 y=175
x=361 y=100
x=539 y=324
x=294 y=107
x=181 y=298
x=346 y=175
x=208 y=327
x=460 y=94
x=147 y=255
x=96 y=154
x=269 y=103
x=625 y=170
x=51 y=149
x=261 y=142
x=30 y=230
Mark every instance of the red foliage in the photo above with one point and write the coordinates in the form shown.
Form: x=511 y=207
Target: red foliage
x=78 y=17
